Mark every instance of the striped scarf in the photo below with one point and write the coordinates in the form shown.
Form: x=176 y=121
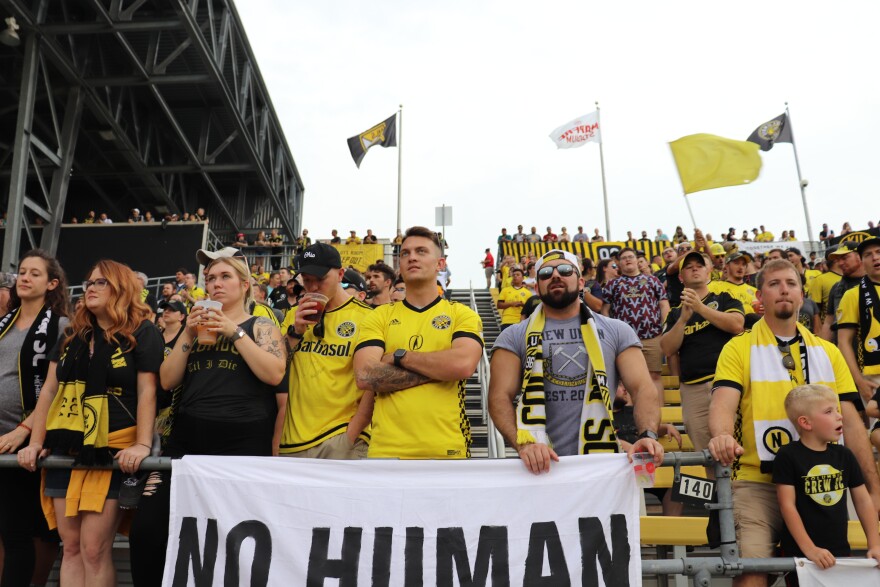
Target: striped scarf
x=869 y=324
x=33 y=361
x=597 y=420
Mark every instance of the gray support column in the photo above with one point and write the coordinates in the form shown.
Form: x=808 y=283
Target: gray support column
x=20 y=154
x=61 y=177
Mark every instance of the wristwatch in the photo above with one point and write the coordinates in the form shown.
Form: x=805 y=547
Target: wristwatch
x=292 y=333
x=399 y=354
x=239 y=333
x=649 y=434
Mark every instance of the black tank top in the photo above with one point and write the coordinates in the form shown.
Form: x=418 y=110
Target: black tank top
x=218 y=384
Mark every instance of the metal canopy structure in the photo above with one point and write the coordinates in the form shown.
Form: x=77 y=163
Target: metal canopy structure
x=110 y=105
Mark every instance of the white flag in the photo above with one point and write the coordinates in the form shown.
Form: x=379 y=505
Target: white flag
x=578 y=132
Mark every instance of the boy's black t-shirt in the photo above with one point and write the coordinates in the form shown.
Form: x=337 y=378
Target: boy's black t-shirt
x=820 y=481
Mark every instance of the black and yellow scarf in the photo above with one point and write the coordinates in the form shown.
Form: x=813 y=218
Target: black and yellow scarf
x=78 y=421
x=868 y=354
x=33 y=362
x=597 y=418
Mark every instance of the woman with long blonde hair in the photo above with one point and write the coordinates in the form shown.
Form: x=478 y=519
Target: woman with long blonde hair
x=229 y=403
x=98 y=404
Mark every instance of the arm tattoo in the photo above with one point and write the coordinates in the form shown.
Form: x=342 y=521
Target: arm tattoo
x=264 y=339
x=386 y=378
x=186 y=346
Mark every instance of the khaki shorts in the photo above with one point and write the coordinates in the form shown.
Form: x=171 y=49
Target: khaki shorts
x=695 y=399
x=757 y=519
x=653 y=354
x=336 y=448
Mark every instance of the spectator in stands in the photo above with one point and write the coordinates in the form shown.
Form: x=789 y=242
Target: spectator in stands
x=34 y=316
x=679 y=236
x=90 y=218
x=335 y=239
x=794 y=257
x=629 y=236
x=668 y=256
x=791 y=235
x=640 y=301
x=135 y=216
x=606 y=271
x=519 y=237
x=697 y=330
x=735 y=284
x=200 y=215
x=261 y=243
x=147 y=296
x=399 y=292
x=386 y=360
x=564 y=237
x=502 y=276
x=240 y=241
x=191 y=292
x=852 y=272
x=846 y=229
x=112 y=324
x=276 y=244
x=784 y=236
x=277 y=282
x=185 y=217
x=644 y=238
x=774 y=254
x=755 y=372
x=530 y=279
x=592 y=288
x=327 y=415
x=232 y=410
x=603 y=346
x=444 y=276
x=550 y=237
x=103 y=219
x=354 y=239
x=292 y=290
x=745 y=236
x=511 y=299
x=660 y=236
x=533 y=237
x=858 y=326
x=580 y=236
x=764 y=236
x=354 y=284
x=504 y=237
x=825 y=234
x=488 y=265
x=643 y=264
x=261 y=298
x=717 y=252
x=370 y=239
x=380 y=281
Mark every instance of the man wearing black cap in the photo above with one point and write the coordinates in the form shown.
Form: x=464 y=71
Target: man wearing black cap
x=858 y=323
x=327 y=415
x=697 y=330
x=852 y=269
x=354 y=284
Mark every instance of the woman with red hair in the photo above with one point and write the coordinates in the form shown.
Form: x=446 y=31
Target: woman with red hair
x=98 y=404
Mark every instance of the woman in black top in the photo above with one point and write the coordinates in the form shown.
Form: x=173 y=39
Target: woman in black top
x=229 y=404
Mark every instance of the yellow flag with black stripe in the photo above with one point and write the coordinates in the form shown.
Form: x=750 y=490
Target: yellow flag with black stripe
x=707 y=162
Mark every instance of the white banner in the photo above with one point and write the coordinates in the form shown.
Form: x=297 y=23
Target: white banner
x=578 y=132
x=277 y=521
x=754 y=248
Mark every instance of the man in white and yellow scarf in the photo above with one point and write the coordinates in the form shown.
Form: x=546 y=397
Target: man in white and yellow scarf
x=565 y=359
x=747 y=419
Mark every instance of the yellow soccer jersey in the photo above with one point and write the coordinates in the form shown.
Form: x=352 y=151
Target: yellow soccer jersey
x=323 y=396
x=264 y=311
x=730 y=372
x=427 y=421
x=820 y=290
x=848 y=317
x=506 y=279
x=744 y=292
x=512 y=314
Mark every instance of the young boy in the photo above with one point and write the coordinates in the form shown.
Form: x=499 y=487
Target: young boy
x=812 y=477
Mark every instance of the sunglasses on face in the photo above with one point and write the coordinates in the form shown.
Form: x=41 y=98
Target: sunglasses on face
x=564 y=270
x=685 y=249
x=613 y=265
x=787 y=359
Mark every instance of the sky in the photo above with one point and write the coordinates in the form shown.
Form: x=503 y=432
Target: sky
x=482 y=84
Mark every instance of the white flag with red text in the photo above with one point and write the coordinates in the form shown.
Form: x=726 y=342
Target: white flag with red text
x=578 y=132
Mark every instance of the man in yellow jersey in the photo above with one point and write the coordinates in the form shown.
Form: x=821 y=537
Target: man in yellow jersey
x=735 y=285
x=717 y=251
x=512 y=299
x=747 y=418
x=858 y=323
x=852 y=271
x=415 y=355
x=696 y=330
x=327 y=415
x=820 y=287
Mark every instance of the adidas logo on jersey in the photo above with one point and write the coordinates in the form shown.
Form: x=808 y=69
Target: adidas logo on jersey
x=394 y=322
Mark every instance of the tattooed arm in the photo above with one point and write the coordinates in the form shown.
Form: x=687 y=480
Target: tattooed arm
x=265 y=354
x=377 y=375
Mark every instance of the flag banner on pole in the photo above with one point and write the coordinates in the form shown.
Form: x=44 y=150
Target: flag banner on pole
x=772 y=132
x=276 y=521
x=707 y=161
x=384 y=134
x=577 y=132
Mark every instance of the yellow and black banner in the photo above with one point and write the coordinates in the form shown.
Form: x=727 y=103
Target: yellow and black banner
x=360 y=256
x=585 y=250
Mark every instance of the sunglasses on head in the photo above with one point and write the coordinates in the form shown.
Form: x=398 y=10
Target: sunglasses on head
x=564 y=270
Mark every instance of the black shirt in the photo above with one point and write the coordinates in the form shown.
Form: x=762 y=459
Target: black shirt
x=674 y=288
x=820 y=481
x=702 y=342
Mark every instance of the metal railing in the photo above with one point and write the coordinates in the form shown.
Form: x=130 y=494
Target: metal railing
x=726 y=564
x=495 y=442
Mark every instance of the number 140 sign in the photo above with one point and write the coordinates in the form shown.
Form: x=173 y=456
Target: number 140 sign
x=693 y=490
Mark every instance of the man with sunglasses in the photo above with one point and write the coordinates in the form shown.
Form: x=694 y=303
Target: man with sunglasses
x=327 y=415
x=566 y=370
x=747 y=418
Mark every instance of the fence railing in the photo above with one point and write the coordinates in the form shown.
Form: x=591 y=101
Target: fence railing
x=495 y=442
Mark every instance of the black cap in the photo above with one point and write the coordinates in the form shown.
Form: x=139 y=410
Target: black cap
x=867 y=243
x=692 y=255
x=318 y=259
x=173 y=305
x=353 y=278
x=794 y=250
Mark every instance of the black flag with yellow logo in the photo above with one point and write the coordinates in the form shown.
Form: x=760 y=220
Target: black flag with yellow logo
x=384 y=134
x=772 y=132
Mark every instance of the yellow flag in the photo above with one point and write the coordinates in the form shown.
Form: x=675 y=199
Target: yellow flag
x=707 y=161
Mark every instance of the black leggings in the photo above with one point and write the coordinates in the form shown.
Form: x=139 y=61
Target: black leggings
x=21 y=521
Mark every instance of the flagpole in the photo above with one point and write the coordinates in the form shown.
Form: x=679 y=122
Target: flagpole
x=399 y=165
x=801 y=182
x=602 y=165
x=691 y=212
